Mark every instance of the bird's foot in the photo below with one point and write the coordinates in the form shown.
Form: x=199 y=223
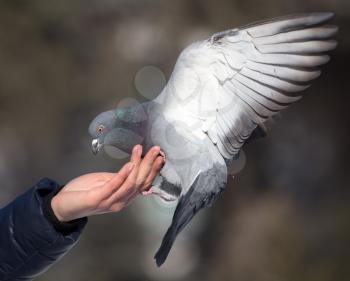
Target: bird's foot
x=165 y=196
x=147 y=192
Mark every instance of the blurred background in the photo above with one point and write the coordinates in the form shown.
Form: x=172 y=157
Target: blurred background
x=284 y=217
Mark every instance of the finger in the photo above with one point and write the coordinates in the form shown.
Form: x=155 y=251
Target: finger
x=119 y=178
x=136 y=153
x=114 y=184
x=128 y=185
x=119 y=205
x=131 y=199
x=146 y=165
x=121 y=198
x=156 y=167
x=136 y=159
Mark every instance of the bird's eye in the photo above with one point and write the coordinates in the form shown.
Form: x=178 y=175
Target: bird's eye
x=100 y=128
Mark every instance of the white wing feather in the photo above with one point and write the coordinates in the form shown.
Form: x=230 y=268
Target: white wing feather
x=238 y=78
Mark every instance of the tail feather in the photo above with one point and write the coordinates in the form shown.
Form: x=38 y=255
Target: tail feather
x=203 y=193
x=164 y=249
x=183 y=215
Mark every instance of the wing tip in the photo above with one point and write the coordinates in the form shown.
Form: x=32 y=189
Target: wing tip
x=334 y=44
x=331 y=28
x=319 y=17
x=324 y=15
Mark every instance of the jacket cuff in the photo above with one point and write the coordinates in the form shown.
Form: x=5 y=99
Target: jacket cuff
x=63 y=227
x=29 y=242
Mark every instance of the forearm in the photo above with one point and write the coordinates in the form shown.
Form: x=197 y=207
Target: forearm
x=29 y=242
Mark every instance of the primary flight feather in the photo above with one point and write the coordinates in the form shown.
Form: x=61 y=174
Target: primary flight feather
x=221 y=90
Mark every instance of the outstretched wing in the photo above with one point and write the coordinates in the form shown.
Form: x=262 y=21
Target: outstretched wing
x=239 y=78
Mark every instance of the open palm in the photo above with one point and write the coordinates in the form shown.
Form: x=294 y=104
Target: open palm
x=98 y=193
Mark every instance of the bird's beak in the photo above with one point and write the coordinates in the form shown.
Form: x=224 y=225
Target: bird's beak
x=95 y=146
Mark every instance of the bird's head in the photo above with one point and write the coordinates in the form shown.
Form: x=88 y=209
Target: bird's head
x=115 y=128
x=100 y=127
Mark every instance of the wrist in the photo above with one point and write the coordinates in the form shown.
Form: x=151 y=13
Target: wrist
x=55 y=209
x=50 y=207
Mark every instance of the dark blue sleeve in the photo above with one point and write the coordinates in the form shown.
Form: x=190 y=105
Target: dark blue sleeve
x=29 y=243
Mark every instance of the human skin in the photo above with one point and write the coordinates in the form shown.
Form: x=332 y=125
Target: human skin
x=99 y=193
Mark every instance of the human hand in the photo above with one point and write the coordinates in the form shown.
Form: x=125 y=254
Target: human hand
x=98 y=193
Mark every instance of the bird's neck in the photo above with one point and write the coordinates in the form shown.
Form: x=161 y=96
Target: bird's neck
x=134 y=118
x=133 y=126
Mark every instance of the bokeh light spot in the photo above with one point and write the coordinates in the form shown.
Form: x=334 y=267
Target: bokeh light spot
x=149 y=81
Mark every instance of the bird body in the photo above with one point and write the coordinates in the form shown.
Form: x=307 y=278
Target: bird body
x=221 y=90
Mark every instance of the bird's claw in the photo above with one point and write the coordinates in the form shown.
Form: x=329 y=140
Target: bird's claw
x=162 y=154
x=166 y=197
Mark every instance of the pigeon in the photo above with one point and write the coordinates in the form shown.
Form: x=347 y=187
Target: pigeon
x=223 y=91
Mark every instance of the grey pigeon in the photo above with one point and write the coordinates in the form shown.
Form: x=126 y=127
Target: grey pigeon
x=222 y=91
